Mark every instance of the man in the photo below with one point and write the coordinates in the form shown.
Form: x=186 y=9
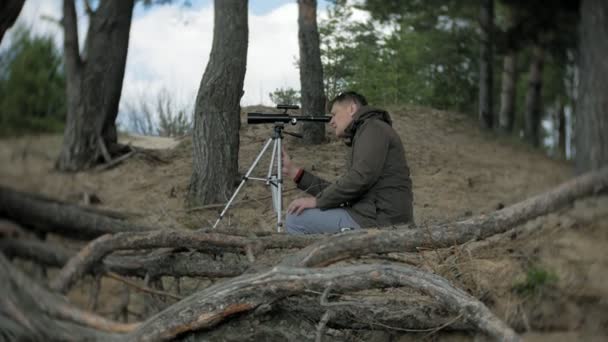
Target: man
x=375 y=190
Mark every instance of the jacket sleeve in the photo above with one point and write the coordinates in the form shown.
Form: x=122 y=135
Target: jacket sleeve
x=311 y=183
x=369 y=154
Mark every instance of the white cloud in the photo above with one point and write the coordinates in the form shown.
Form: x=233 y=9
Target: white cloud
x=170 y=47
x=40 y=18
x=170 y=44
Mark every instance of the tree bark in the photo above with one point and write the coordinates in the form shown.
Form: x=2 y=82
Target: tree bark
x=43 y=214
x=508 y=92
x=9 y=12
x=592 y=108
x=217 y=113
x=83 y=262
x=561 y=131
x=533 y=113
x=486 y=70
x=29 y=312
x=159 y=263
x=311 y=71
x=208 y=308
x=94 y=83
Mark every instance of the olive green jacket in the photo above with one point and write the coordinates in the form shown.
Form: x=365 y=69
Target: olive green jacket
x=376 y=189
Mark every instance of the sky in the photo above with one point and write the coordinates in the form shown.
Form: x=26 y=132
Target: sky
x=169 y=46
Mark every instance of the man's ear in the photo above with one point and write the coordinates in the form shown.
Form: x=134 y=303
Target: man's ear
x=352 y=108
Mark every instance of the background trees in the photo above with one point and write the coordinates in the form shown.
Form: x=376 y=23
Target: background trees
x=311 y=71
x=32 y=86
x=592 y=107
x=430 y=53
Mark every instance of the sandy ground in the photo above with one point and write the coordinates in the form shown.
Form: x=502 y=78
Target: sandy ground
x=457 y=171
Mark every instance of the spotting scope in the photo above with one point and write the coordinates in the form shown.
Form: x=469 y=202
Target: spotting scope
x=273 y=118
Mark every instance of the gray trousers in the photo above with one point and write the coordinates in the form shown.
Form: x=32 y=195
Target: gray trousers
x=316 y=221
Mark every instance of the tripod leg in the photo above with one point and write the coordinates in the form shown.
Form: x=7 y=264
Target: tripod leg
x=245 y=178
x=279 y=151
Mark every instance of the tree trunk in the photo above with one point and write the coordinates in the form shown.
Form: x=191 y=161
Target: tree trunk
x=217 y=113
x=9 y=11
x=533 y=109
x=592 y=107
x=486 y=103
x=94 y=83
x=561 y=131
x=311 y=71
x=507 y=95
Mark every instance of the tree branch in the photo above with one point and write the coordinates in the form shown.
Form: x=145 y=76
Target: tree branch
x=213 y=305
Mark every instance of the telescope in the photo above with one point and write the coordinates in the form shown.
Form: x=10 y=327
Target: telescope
x=273 y=118
x=274 y=179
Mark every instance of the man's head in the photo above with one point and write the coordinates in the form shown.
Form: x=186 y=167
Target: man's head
x=342 y=109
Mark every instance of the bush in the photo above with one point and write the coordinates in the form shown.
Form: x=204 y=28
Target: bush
x=32 y=86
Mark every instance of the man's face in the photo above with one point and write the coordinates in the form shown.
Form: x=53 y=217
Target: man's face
x=342 y=116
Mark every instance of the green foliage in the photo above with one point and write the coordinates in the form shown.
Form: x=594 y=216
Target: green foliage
x=536 y=280
x=285 y=96
x=32 y=86
x=428 y=56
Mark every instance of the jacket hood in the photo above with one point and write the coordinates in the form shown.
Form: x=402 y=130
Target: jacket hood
x=365 y=113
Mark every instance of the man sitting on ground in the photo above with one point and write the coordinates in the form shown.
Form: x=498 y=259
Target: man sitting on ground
x=375 y=190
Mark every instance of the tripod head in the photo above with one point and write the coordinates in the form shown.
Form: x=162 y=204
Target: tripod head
x=273 y=118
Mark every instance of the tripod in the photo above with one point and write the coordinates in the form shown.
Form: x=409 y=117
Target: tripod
x=275 y=181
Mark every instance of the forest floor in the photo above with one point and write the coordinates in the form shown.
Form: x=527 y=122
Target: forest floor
x=549 y=280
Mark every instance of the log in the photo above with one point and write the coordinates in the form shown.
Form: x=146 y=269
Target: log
x=97 y=249
x=405 y=239
x=154 y=265
x=29 y=312
x=48 y=215
x=421 y=313
x=208 y=308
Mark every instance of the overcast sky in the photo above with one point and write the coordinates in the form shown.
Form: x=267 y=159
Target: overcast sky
x=170 y=44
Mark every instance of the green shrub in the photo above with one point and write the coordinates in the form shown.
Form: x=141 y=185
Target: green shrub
x=32 y=86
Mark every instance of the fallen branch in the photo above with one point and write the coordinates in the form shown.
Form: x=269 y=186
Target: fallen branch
x=53 y=216
x=30 y=312
x=353 y=244
x=92 y=253
x=206 y=309
x=155 y=264
x=142 y=288
x=114 y=162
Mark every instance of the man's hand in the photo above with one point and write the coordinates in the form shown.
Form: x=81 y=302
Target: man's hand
x=289 y=169
x=298 y=205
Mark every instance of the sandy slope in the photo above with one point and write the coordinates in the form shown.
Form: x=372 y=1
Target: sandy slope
x=457 y=171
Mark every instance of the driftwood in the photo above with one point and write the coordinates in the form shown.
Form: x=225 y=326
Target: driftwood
x=207 y=308
x=169 y=262
x=29 y=312
x=88 y=256
x=53 y=216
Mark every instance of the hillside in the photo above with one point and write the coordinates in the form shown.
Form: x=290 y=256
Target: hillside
x=457 y=171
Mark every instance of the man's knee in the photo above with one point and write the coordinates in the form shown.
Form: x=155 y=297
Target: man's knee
x=295 y=225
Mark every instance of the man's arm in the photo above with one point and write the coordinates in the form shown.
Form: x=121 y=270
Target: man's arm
x=369 y=154
x=311 y=183
x=304 y=180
